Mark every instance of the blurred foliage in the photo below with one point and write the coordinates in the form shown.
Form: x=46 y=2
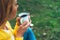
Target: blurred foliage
x=45 y=15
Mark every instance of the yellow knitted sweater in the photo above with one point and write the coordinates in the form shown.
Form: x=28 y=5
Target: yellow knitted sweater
x=8 y=34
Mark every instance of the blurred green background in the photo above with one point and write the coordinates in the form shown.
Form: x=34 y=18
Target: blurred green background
x=45 y=15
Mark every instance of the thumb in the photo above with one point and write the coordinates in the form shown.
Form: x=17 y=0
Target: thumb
x=18 y=21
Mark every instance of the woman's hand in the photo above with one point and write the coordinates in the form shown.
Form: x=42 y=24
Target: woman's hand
x=21 y=27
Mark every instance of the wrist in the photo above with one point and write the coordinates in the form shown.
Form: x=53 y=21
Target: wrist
x=18 y=36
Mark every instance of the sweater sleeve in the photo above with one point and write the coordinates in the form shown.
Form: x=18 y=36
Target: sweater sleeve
x=19 y=38
x=13 y=30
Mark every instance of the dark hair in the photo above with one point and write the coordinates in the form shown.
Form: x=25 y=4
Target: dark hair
x=5 y=9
